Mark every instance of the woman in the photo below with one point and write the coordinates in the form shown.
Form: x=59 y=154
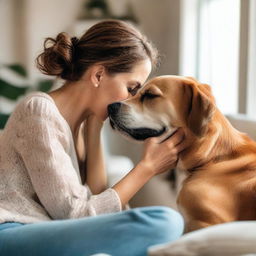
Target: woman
x=54 y=195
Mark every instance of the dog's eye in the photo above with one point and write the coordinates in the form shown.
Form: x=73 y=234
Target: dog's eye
x=148 y=95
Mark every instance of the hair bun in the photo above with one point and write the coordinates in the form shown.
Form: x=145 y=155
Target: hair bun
x=57 y=57
x=74 y=41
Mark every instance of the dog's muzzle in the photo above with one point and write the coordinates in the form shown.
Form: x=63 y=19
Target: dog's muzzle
x=113 y=108
x=142 y=133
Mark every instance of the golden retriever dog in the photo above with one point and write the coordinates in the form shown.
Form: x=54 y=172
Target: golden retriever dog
x=220 y=161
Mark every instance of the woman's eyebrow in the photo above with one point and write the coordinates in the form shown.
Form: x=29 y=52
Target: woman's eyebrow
x=138 y=84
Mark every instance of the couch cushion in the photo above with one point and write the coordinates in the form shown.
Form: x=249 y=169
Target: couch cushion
x=229 y=239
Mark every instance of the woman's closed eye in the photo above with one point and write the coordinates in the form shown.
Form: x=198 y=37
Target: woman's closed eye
x=133 y=90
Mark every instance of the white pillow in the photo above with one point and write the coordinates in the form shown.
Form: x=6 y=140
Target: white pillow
x=101 y=254
x=229 y=239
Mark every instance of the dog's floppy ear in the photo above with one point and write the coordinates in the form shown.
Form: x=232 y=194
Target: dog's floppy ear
x=207 y=90
x=201 y=107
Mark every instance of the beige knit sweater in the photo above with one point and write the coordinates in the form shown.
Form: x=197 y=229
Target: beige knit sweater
x=39 y=173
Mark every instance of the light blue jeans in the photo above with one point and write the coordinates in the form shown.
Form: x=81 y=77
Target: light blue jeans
x=126 y=233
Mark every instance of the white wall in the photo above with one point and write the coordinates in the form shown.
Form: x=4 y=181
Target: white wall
x=44 y=19
x=10 y=27
x=25 y=23
x=160 y=22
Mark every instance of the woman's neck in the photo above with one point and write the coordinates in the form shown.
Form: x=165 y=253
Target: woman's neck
x=72 y=100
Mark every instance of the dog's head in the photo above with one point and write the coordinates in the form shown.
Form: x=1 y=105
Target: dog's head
x=163 y=105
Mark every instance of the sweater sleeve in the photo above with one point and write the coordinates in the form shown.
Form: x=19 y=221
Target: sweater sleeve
x=42 y=142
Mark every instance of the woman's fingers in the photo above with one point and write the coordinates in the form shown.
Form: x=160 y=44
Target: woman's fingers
x=151 y=140
x=163 y=156
x=181 y=146
x=175 y=139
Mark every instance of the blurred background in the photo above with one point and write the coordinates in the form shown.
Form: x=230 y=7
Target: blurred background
x=212 y=40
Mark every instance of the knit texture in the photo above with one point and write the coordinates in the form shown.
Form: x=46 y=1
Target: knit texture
x=39 y=172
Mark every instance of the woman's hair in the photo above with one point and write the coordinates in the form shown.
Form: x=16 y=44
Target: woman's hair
x=115 y=44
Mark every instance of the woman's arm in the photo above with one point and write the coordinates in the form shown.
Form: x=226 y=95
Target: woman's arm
x=157 y=158
x=81 y=151
x=96 y=177
x=127 y=187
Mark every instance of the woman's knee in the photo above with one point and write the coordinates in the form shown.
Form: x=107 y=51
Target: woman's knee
x=160 y=221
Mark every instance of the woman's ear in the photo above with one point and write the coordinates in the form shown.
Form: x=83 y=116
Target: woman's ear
x=200 y=109
x=97 y=72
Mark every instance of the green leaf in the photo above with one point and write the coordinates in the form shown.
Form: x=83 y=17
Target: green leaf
x=10 y=91
x=19 y=69
x=3 y=120
x=45 y=85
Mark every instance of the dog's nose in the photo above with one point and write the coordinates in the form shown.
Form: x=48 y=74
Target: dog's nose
x=113 y=108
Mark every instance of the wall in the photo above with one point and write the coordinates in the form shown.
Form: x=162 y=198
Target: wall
x=25 y=24
x=11 y=43
x=160 y=22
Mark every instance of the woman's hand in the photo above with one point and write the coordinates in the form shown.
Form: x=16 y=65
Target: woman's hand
x=161 y=157
x=157 y=158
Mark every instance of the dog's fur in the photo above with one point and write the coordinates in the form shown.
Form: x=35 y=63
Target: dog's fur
x=220 y=160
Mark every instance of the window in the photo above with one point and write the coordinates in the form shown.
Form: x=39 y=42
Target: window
x=218 y=50
x=218 y=47
x=251 y=74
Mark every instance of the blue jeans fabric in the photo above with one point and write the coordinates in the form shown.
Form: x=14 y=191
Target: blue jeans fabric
x=126 y=233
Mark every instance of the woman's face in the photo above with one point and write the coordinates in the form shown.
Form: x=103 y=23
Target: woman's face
x=118 y=87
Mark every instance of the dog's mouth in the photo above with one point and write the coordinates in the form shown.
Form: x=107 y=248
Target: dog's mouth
x=136 y=133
